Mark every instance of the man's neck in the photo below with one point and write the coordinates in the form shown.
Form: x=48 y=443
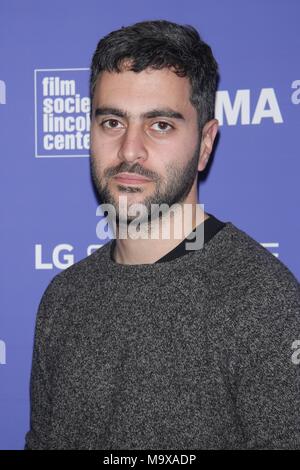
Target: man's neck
x=170 y=231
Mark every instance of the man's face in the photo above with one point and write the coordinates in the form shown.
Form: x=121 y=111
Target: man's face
x=144 y=124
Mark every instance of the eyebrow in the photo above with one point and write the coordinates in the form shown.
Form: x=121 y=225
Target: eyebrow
x=153 y=113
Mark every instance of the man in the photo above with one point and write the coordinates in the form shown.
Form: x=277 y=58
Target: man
x=153 y=342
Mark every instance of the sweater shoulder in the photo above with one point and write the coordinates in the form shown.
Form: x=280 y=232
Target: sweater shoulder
x=67 y=287
x=250 y=263
x=81 y=274
x=255 y=297
x=256 y=291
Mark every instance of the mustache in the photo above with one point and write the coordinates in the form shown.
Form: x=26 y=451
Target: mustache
x=136 y=168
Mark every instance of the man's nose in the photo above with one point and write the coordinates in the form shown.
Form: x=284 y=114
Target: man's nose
x=133 y=144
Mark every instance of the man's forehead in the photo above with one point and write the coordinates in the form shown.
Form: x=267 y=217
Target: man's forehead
x=148 y=76
x=152 y=88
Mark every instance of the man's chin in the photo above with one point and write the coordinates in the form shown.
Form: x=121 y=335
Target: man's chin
x=132 y=217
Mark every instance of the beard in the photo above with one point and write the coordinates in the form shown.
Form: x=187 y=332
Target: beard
x=170 y=189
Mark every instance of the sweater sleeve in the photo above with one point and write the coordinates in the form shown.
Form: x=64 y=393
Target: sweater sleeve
x=38 y=436
x=268 y=389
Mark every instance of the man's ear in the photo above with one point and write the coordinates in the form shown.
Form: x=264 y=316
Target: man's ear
x=209 y=133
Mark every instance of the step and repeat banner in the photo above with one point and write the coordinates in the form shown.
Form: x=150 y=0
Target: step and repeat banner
x=48 y=205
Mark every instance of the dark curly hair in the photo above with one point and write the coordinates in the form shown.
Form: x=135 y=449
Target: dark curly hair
x=159 y=44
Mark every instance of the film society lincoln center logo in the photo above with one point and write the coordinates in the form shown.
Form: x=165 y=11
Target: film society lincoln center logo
x=62 y=112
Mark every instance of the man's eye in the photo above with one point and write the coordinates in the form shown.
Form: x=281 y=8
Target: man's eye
x=162 y=126
x=110 y=124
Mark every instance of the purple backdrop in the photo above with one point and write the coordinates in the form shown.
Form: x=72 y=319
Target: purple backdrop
x=48 y=205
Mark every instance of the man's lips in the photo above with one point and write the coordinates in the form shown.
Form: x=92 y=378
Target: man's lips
x=131 y=178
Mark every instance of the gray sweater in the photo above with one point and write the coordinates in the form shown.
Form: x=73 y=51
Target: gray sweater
x=201 y=352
